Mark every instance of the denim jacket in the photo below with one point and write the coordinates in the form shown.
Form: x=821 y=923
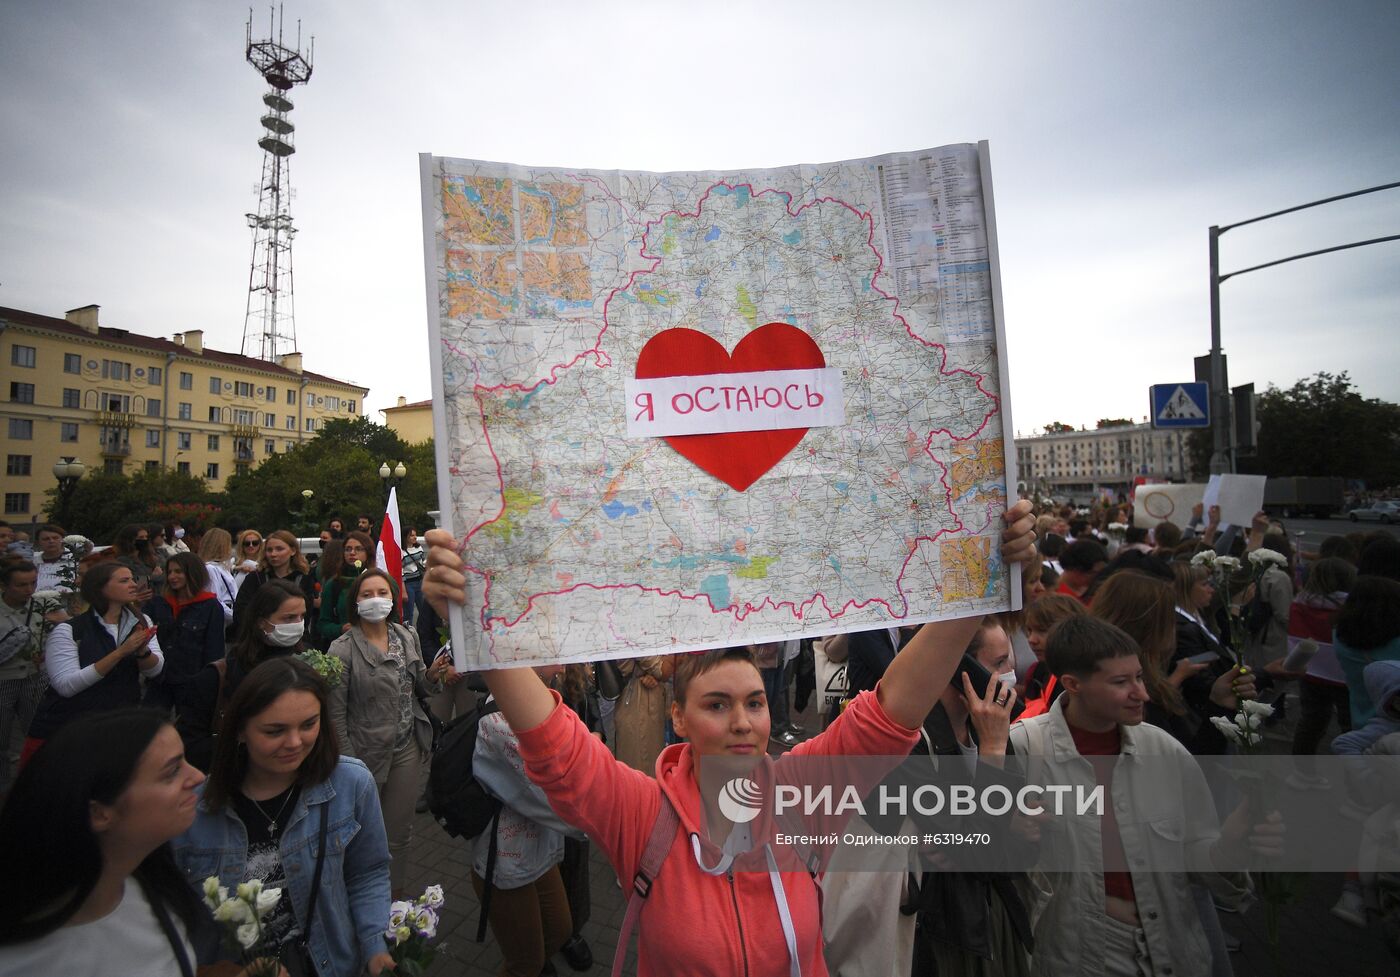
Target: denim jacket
x=352 y=909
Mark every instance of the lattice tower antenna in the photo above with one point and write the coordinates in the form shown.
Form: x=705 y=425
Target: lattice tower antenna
x=269 y=324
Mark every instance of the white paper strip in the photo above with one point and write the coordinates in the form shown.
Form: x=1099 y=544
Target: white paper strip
x=718 y=403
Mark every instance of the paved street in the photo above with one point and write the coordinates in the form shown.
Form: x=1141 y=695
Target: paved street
x=1315 y=942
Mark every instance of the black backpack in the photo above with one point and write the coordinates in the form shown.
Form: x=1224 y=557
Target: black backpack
x=456 y=798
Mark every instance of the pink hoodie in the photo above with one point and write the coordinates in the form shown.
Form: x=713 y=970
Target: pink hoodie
x=694 y=923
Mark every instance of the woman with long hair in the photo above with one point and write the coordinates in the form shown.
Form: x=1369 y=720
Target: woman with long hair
x=701 y=911
x=247 y=554
x=273 y=626
x=132 y=547
x=283 y=808
x=96 y=661
x=337 y=576
x=379 y=706
x=1322 y=691
x=215 y=549
x=281 y=560
x=190 y=623
x=90 y=884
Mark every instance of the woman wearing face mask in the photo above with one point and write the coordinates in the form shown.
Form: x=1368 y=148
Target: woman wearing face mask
x=337 y=576
x=283 y=808
x=281 y=560
x=90 y=884
x=131 y=547
x=191 y=627
x=378 y=706
x=274 y=626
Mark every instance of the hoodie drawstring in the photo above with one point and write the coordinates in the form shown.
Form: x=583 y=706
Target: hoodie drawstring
x=739 y=842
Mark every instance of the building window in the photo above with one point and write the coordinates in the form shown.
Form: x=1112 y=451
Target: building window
x=68 y=432
x=153 y=439
x=291 y=398
x=186 y=412
x=72 y=397
x=272 y=395
x=240 y=469
x=182 y=440
x=22 y=356
x=216 y=385
x=183 y=467
x=154 y=375
x=116 y=370
x=242 y=388
x=269 y=446
x=117 y=403
x=215 y=415
x=242 y=417
x=350 y=406
x=310 y=399
x=18 y=464
x=21 y=393
x=152 y=466
x=211 y=470
x=186 y=381
x=213 y=442
x=21 y=429
x=310 y=424
x=332 y=403
x=16 y=503
x=72 y=363
x=112 y=466
x=291 y=423
x=153 y=407
x=269 y=420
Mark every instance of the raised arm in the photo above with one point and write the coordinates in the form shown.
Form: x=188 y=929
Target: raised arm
x=921 y=671
x=524 y=699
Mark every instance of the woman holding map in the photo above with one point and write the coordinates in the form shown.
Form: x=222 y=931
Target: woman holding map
x=701 y=910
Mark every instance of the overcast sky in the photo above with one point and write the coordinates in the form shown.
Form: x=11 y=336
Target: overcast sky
x=1119 y=132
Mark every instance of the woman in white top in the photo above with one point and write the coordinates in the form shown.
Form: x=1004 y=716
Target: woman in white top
x=215 y=549
x=90 y=886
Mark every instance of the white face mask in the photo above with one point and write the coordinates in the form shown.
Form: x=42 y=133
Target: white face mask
x=1007 y=679
x=179 y=534
x=285 y=635
x=375 y=608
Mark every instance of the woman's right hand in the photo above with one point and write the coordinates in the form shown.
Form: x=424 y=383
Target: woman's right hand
x=1185 y=668
x=443 y=583
x=139 y=637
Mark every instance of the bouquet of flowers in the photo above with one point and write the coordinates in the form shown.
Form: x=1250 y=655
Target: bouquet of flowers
x=412 y=929
x=241 y=914
x=1118 y=529
x=327 y=666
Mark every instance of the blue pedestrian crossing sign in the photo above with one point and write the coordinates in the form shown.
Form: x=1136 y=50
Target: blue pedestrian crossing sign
x=1181 y=405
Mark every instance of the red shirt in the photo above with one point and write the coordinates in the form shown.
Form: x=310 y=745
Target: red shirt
x=1063 y=588
x=1102 y=750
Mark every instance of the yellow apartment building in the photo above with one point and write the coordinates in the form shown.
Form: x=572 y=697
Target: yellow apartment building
x=120 y=402
x=412 y=422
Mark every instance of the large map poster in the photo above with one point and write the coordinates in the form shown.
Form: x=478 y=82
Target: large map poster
x=686 y=410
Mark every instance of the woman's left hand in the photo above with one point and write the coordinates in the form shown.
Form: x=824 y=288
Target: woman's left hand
x=379 y=963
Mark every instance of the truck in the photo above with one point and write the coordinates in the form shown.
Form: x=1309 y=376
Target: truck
x=1320 y=497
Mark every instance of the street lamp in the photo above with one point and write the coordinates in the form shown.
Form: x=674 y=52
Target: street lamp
x=392 y=477
x=67 y=471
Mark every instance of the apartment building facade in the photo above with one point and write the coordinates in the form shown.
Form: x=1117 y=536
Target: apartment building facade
x=1080 y=464
x=119 y=401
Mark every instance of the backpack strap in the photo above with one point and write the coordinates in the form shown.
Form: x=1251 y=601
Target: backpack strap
x=663 y=834
x=488 y=884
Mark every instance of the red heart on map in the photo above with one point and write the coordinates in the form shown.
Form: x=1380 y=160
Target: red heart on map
x=738 y=458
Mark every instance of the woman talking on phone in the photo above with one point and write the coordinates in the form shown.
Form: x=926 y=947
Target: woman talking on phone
x=97 y=660
x=379 y=706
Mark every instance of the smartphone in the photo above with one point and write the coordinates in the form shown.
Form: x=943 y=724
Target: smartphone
x=980 y=676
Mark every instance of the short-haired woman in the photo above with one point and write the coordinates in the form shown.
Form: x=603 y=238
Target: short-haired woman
x=190 y=624
x=97 y=660
x=378 y=707
x=282 y=807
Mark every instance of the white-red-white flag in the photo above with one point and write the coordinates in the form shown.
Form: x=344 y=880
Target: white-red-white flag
x=389 y=554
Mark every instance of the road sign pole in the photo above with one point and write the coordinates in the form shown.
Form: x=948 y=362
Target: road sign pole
x=1220 y=460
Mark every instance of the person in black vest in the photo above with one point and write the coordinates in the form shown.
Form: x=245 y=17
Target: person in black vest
x=96 y=661
x=190 y=622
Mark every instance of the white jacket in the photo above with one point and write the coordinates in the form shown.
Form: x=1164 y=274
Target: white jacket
x=1162 y=820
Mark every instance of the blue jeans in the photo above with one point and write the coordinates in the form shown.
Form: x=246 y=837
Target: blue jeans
x=413 y=592
x=775 y=686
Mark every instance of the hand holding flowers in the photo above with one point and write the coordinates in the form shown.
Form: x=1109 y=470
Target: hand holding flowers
x=412 y=928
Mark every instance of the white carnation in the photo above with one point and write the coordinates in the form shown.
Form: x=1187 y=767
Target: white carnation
x=1254 y=707
x=1228 y=564
x=1205 y=558
x=1263 y=558
x=1229 y=729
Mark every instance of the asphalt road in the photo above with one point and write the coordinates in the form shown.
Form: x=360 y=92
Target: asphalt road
x=1315 y=530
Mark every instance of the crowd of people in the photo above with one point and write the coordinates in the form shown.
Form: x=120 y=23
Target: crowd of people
x=175 y=709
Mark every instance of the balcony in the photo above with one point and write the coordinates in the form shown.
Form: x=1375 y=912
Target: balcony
x=111 y=448
x=245 y=430
x=116 y=418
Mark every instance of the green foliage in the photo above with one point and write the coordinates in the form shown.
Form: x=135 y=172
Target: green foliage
x=1114 y=422
x=1058 y=427
x=102 y=503
x=1319 y=426
x=341 y=468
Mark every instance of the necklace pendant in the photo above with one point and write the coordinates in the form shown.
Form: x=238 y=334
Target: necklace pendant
x=272 y=827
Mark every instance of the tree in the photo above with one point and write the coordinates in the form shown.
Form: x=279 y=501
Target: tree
x=341 y=468
x=1058 y=427
x=1319 y=426
x=102 y=503
x=1114 y=422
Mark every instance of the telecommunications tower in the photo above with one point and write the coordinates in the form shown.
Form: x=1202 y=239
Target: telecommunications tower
x=269 y=324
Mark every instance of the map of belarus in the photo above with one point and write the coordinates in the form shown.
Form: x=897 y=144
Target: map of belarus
x=584 y=539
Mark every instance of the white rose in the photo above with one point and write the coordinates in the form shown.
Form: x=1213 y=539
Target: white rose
x=267 y=898
x=1229 y=729
x=1254 y=707
x=247 y=935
